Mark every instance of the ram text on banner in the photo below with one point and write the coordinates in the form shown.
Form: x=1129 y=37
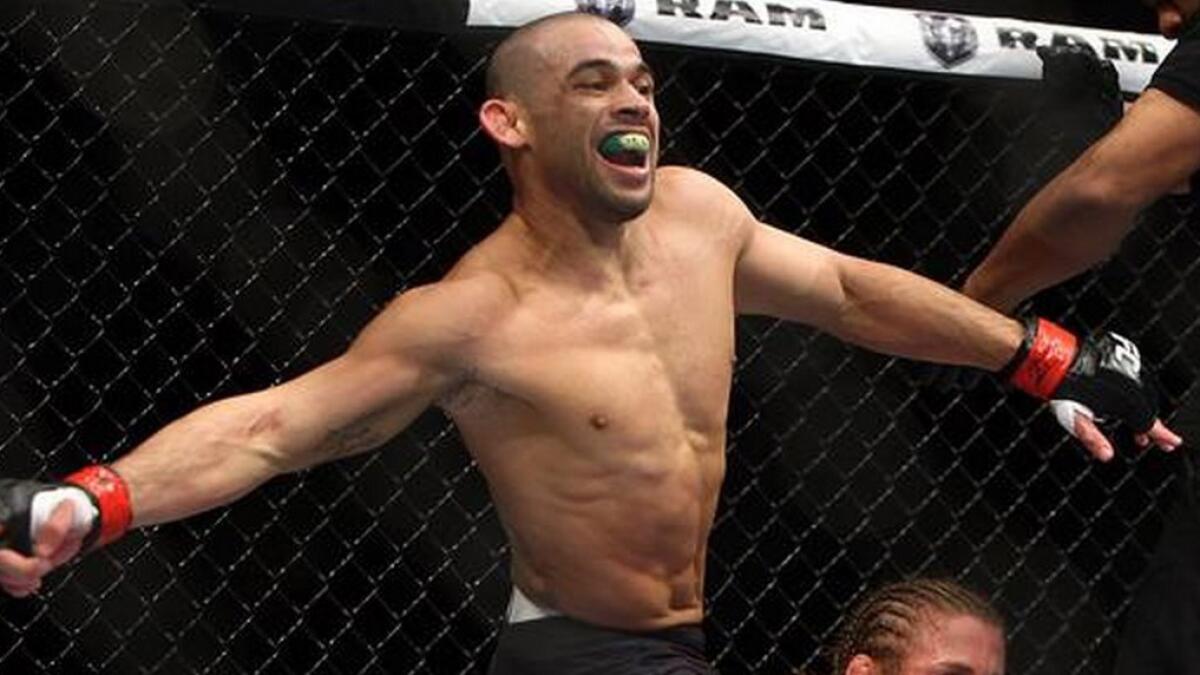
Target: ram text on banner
x=857 y=35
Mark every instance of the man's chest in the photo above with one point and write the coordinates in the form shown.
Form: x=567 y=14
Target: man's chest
x=659 y=350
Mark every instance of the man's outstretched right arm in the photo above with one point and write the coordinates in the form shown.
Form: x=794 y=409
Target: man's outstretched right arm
x=399 y=364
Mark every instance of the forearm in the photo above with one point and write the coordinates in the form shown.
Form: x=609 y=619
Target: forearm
x=400 y=363
x=225 y=449
x=201 y=461
x=1066 y=229
x=893 y=311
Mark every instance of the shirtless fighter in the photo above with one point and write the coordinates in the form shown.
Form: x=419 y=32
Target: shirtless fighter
x=584 y=350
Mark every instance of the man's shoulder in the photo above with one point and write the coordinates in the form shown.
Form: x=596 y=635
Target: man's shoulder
x=475 y=292
x=697 y=194
x=699 y=198
x=693 y=182
x=450 y=314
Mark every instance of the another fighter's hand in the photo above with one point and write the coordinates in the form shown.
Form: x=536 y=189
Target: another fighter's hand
x=55 y=542
x=1096 y=379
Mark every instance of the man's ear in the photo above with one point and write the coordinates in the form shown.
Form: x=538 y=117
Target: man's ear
x=500 y=120
x=862 y=664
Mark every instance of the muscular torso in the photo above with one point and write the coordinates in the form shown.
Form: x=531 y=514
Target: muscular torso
x=597 y=412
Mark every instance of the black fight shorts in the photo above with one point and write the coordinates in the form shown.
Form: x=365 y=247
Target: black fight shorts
x=561 y=646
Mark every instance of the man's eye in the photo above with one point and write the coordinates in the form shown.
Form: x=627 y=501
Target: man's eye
x=595 y=86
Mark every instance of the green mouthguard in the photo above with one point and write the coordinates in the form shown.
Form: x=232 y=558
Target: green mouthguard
x=624 y=143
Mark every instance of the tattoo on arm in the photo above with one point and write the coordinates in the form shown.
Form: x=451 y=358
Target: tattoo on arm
x=352 y=439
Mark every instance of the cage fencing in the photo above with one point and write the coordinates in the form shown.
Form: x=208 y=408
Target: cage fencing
x=197 y=203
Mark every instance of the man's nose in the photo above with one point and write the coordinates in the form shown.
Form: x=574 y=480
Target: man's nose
x=633 y=106
x=634 y=111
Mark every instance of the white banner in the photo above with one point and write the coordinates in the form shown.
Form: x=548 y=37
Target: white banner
x=859 y=35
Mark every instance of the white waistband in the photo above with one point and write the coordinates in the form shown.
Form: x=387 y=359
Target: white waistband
x=521 y=608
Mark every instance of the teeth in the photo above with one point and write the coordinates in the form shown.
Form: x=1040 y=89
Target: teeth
x=630 y=142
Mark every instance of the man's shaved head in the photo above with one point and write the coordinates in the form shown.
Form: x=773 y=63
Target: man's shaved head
x=570 y=104
x=517 y=61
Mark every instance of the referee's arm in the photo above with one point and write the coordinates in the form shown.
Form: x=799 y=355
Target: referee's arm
x=1080 y=217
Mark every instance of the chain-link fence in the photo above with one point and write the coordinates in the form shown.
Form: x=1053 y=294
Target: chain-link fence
x=197 y=203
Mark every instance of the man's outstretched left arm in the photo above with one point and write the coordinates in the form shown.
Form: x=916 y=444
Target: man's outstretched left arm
x=894 y=311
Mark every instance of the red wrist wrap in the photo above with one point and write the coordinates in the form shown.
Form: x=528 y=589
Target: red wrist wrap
x=112 y=498
x=1047 y=362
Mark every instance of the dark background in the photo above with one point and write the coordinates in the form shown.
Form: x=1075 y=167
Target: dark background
x=195 y=203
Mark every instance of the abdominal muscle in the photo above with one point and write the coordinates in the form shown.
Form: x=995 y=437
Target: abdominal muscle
x=616 y=540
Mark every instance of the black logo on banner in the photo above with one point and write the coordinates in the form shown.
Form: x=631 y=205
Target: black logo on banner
x=1112 y=48
x=952 y=39
x=806 y=18
x=619 y=12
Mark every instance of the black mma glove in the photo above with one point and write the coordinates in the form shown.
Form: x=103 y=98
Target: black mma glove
x=102 y=508
x=1083 y=94
x=1100 y=377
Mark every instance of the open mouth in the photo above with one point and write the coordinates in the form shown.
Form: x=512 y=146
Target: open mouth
x=628 y=149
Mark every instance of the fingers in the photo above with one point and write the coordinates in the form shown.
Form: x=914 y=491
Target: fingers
x=66 y=552
x=1099 y=446
x=1163 y=437
x=1080 y=421
x=20 y=588
x=21 y=576
x=53 y=533
x=1089 y=434
x=57 y=539
x=16 y=566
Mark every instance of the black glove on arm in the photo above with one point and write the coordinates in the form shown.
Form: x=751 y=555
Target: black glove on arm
x=102 y=507
x=1102 y=376
x=1083 y=93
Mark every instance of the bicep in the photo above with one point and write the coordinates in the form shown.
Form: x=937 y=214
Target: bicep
x=776 y=273
x=1154 y=148
x=349 y=405
x=396 y=368
x=780 y=274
